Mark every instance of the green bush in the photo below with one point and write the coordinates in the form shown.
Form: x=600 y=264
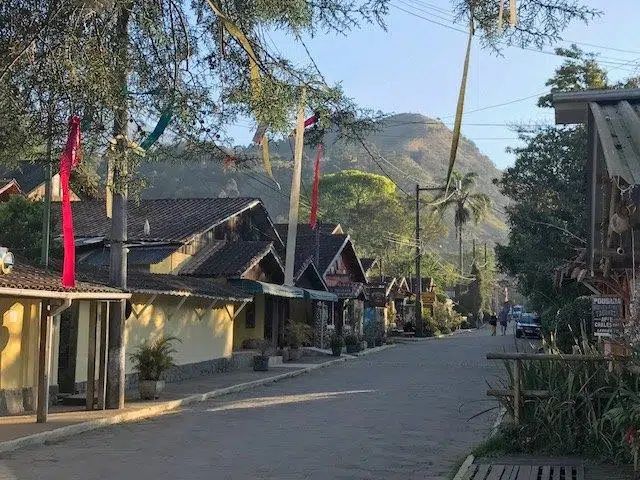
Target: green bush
x=570 y=325
x=588 y=412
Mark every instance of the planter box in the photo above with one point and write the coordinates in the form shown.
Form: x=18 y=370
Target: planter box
x=353 y=348
x=260 y=363
x=150 y=389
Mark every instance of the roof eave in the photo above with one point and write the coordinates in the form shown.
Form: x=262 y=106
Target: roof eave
x=33 y=293
x=573 y=107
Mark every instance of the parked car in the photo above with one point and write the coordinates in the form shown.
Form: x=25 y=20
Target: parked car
x=528 y=325
x=516 y=312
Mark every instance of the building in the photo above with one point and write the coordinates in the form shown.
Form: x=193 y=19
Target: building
x=29 y=180
x=32 y=306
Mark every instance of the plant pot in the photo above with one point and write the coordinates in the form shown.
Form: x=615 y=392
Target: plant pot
x=150 y=389
x=295 y=354
x=261 y=363
x=353 y=348
x=336 y=351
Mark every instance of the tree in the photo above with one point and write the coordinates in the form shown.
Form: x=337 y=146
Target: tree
x=21 y=227
x=548 y=189
x=373 y=212
x=466 y=205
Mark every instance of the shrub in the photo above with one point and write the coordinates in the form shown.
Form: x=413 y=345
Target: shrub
x=589 y=411
x=152 y=360
x=351 y=339
x=298 y=333
x=336 y=340
x=571 y=323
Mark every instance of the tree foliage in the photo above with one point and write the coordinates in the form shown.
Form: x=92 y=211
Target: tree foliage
x=21 y=227
x=380 y=219
x=548 y=187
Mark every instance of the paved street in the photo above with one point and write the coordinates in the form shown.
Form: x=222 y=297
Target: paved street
x=402 y=413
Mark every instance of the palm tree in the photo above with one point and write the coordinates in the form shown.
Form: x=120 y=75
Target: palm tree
x=466 y=205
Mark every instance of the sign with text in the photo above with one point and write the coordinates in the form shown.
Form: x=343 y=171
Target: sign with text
x=429 y=298
x=606 y=313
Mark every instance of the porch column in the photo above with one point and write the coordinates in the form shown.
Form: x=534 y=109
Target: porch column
x=91 y=355
x=103 y=310
x=44 y=362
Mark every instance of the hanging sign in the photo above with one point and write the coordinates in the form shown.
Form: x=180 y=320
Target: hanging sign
x=606 y=314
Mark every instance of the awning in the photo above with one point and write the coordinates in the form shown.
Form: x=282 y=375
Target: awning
x=320 y=295
x=255 y=287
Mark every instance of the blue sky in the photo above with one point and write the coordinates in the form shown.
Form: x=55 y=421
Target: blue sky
x=415 y=66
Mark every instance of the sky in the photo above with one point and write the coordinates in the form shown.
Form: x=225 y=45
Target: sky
x=416 y=65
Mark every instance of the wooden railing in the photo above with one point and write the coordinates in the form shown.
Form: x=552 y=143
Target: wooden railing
x=517 y=391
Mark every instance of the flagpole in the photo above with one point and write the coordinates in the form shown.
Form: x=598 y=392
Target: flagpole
x=294 y=199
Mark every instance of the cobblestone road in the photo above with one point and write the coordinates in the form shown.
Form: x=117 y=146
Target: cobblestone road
x=402 y=413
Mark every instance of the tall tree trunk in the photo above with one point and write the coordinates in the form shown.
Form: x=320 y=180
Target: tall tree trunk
x=460 y=253
x=118 y=253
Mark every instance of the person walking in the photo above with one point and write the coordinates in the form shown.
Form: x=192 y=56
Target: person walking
x=493 y=321
x=503 y=318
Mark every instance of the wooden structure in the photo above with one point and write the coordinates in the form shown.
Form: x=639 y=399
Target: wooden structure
x=552 y=471
x=612 y=120
x=516 y=389
x=30 y=296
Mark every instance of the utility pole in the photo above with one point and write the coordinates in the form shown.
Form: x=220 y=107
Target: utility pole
x=294 y=200
x=118 y=248
x=46 y=214
x=418 y=286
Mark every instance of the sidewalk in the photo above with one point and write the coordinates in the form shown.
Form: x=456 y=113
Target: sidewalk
x=21 y=431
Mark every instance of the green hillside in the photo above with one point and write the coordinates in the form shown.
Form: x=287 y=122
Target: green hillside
x=410 y=148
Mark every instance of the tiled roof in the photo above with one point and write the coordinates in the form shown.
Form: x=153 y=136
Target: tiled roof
x=305 y=229
x=29 y=277
x=227 y=259
x=143 y=255
x=329 y=245
x=170 y=220
x=368 y=263
x=178 y=285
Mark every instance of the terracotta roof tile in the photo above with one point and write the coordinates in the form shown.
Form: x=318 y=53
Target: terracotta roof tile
x=227 y=259
x=170 y=220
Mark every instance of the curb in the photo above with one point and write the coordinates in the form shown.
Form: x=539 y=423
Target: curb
x=163 y=408
x=369 y=351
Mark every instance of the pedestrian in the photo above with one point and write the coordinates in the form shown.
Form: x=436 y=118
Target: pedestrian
x=503 y=318
x=493 y=321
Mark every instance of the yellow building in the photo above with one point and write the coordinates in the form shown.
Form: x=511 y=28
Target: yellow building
x=32 y=302
x=199 y=312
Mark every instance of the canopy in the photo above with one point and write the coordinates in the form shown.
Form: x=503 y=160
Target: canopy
x=320 y=295
x=255 y=287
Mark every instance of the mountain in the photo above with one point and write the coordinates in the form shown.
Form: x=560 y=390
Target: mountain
x=409 y=148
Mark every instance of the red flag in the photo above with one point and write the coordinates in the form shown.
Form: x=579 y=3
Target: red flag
x=311 y=120
x=313 y=217
x=68 y=160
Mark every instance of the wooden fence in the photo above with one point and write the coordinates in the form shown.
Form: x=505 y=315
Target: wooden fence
x=517 y=391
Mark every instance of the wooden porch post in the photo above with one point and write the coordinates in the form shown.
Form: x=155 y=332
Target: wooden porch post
x=91 y=355
x=44 y=362
x=102 y=368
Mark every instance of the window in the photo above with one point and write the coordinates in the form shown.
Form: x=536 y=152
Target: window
x=250 y=316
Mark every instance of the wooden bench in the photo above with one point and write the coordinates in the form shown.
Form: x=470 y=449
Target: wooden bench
x=524 y=472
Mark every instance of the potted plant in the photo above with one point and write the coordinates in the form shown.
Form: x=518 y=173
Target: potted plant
x=151 y=361
x=352 y=342
x=261 y=361
x=297 y=334
x=337 y=342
